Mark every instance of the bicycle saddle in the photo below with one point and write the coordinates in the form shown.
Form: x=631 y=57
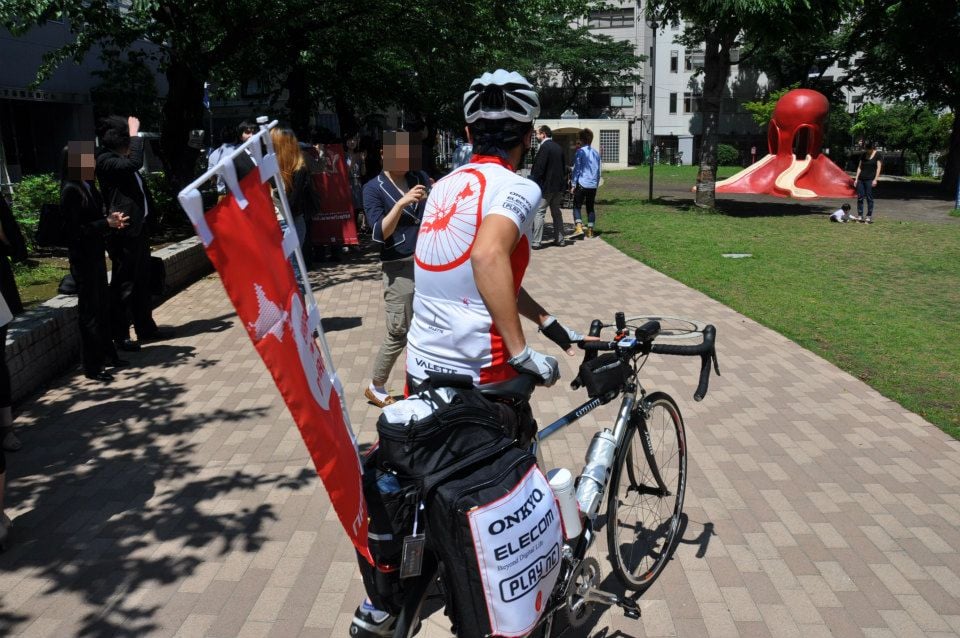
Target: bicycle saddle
x=518 y=388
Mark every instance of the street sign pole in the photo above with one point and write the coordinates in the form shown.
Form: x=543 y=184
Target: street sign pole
x=653 y=102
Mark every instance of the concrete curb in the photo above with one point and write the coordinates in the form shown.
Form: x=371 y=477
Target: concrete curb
x=45 y=340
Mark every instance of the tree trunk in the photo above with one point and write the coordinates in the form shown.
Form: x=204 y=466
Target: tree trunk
x=182 y=111
x=951 y=172
x=716 y=68
x=345 y=118
x=298 y=102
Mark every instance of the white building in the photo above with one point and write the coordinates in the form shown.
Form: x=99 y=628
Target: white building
x=679 y=126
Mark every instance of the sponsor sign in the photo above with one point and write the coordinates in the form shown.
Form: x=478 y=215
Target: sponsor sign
x=518 y=542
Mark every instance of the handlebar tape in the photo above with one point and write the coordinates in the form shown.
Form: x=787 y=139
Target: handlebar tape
x=706 y=350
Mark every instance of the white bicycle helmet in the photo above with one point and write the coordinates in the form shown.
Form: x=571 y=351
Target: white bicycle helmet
x=501 y=95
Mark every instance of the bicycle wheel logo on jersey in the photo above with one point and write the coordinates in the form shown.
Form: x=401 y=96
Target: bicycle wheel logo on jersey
x=450 y=221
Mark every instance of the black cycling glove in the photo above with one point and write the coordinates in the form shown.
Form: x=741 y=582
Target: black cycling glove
x=559 y=334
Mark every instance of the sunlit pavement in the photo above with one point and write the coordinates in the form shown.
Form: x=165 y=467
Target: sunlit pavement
x=180 y=499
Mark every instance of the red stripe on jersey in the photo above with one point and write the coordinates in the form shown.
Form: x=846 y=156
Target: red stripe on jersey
x=491 y=159
x=499 y=369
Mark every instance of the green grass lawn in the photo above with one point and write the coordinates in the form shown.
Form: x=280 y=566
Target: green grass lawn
x=882 y=301
x=38 y=279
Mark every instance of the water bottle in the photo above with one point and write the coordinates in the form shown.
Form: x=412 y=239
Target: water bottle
x=561 y=482
x=387 y=483
x=599 y=462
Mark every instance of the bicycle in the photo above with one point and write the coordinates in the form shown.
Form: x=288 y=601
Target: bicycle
x=644 y=458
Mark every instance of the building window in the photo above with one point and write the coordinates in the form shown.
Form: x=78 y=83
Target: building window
x=673 y=102
x=688 y=62
x=613 y=19
x=610 y=147
x=621 y=97
x=674 y=61
x=691 y=102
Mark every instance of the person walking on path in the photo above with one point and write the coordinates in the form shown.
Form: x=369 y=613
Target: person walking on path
x=86 y=225
x=868 y=171
x=548 y=173
x=586 y=181
x=393 y=203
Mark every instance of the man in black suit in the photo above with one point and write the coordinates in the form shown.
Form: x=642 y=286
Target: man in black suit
x=549 y=173
x=118 y=166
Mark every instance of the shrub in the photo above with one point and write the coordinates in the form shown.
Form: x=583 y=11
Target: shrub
x=29 y=195
x=167 y=206
x=727 y=155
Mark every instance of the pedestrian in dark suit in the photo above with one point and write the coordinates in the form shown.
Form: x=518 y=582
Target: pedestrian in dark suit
x=87 y=226
x=124 y=190
x=548 y=172
x=11 y=246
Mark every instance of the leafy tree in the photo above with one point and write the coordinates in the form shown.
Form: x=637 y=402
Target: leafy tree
x=907 y=49
x=762 y=110
x=354 y=55
x=904 y=127
x=720 y=26
x=127 y=86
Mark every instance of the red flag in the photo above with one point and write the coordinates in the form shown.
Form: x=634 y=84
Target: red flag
x=245 y=246
x=335 y=223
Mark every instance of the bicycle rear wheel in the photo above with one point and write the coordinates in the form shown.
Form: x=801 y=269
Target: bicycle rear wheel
x=646 y=494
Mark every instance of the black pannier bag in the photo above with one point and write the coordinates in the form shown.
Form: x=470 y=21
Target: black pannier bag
x=603 y=374
x=391 y=508
x=458 y=464
x=495 y=527
x=464 y=429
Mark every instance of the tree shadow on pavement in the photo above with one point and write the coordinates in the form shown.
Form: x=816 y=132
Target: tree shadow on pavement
x=117 y=502
x=202 y=326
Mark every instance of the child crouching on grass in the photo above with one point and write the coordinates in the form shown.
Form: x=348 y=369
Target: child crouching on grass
x=841 y=215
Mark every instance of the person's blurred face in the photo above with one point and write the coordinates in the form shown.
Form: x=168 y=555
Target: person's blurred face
x=245 y=134
x=402 y=151
x=80 y=160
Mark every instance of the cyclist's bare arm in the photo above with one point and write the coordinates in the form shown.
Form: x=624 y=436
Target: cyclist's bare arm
x=490 y=257
x=533 y=311
x=530 y=309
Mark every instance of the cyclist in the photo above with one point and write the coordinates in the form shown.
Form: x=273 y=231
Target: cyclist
x=471 y=255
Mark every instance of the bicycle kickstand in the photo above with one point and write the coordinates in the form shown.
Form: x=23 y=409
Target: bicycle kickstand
x=628 y=605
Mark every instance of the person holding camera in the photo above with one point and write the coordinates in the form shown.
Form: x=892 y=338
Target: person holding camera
x=393 y=203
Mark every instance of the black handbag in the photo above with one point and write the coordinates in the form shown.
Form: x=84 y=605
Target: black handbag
x=52 y=228
x=17 y=248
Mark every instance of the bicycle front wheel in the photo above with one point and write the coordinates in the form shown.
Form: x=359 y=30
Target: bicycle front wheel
x=646 y=495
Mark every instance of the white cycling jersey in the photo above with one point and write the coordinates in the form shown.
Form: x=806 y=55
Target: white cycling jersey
x=452 y=331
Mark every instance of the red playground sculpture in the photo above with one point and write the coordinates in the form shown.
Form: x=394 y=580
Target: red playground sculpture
x=794 y=167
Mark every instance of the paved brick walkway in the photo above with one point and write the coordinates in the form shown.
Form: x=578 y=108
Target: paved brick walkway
x=180 y=500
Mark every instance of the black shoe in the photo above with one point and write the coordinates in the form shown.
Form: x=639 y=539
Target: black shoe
x=160 y=334
x=127 y=345
x=100 y=375
x=117 y=362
